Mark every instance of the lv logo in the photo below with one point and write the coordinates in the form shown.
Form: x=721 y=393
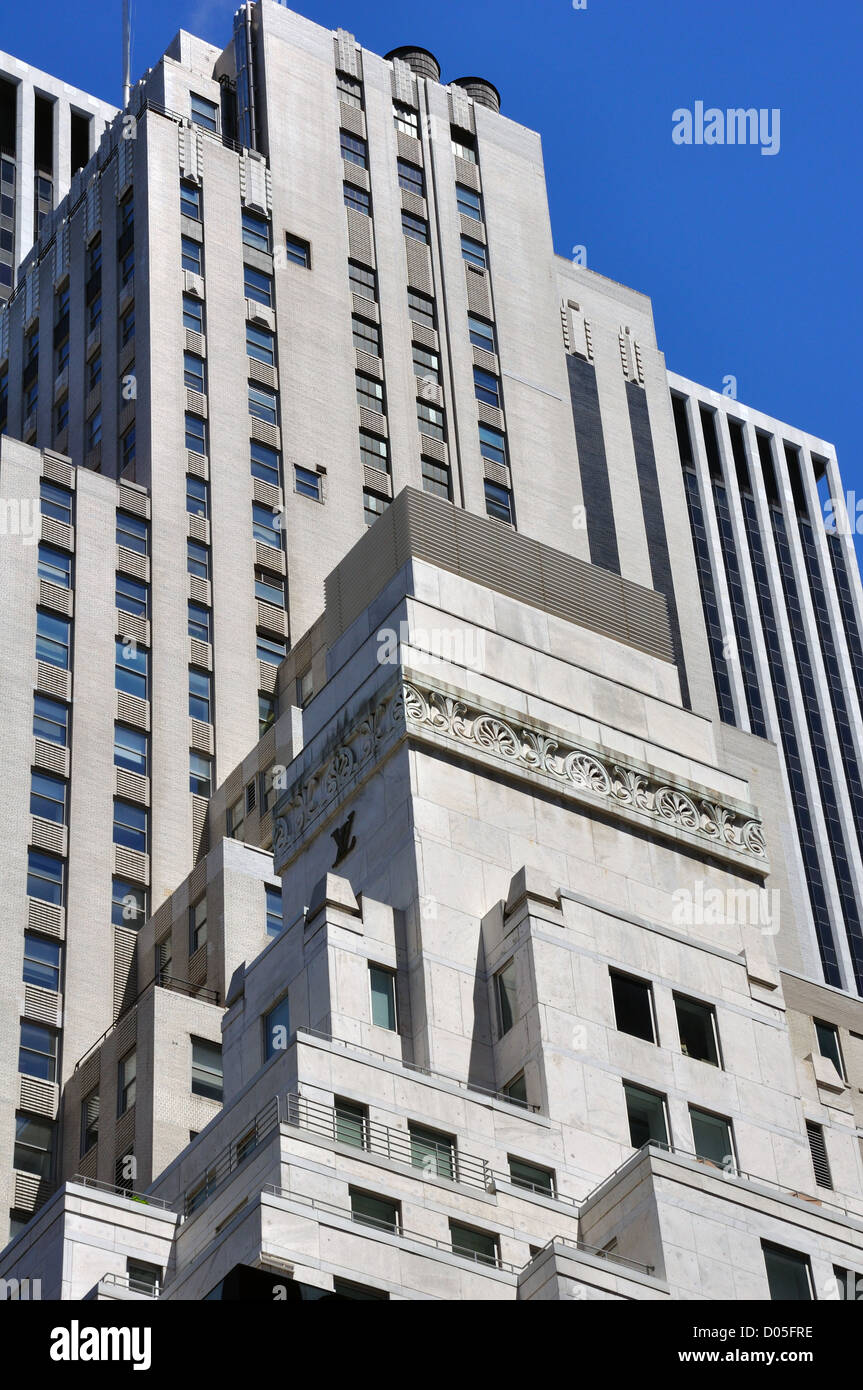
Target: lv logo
x=344 y=840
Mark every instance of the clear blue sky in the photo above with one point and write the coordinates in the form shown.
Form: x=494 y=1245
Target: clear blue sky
x=753 y=262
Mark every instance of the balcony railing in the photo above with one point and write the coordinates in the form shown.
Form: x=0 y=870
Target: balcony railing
x=162 y=981
x=124 y=1281
x=116 y=1191
x=597 y=1253
x=233 y=1156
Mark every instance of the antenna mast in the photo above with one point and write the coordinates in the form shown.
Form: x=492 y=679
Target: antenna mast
x=127 y=53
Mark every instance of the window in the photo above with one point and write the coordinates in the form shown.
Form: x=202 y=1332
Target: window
x=131 y=596
x=199 y=622
x=415 y=227
x=382 y=983
x=505 y=998
x=41 y=962
x=275 y=918
x=712 y=1139
x=354 y=149
x=193 y=372
x=258 y=286
x=426 y=364
x=406 y=119
x=358 y=199
x=464 y=145
x=266 y=525
x=34 y=1146
x=277 y=1028
x=130 y=750
x=53 y=639
x=849 y=1285
x=31 y=399
x=55 y=566
x=37 y=1052
x=260 y=344
x=482 y=333
x=143 y=1278
x=266 y=711
x=363 y=280
x=436 y=478
x=486 y=387
x=492 y=444
x=197 y=496
x=373 y=506
x=47 y=797
x=206 y=1069
x=818 y=1151
x=256 y=231
x=89 y=1121
x=373 y=451
x=516 y=1089
x=646 y=1113
x=298 y=251
x=533 y=1179
x=380 y=1212
x=431 y=420
x=61 y=416
x=271 y=650
x=498 y=502
x=197 y=925
x=94 y=311
x=192 y=255
x=351 y=1123
x=474 y=252
x=269 y=588
x=127 y=268
x=128 y=904
x=633 y=1006
x=411 y=178
x=370 y=393
x=696 y=1024
x=190 y=201
x=434 y=1153
x=164 y=960
x=367 y=336
x=200 y=695
x=55 y=502
x=305 y=687
x=196 y=434
x=131 y=668
x=263 y=403
x=307 y=483
x=204 y=112
x=94 y=371
x=200 y=773
x=480 y=1246
x=93 y=429
x=133 y=533
x=235 y=817
x=193 y=314
x=265 y=463
x=827 y=1035
x=127 y=1070
x=421 y=309
x=50 y=720
x=127 y=448
x=130 y=826
x=789 y=1274
x=198 y=559
x=350 y=90
x=469 y=202
x=45 y=877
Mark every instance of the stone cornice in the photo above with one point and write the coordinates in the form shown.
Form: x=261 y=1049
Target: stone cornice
x=635 y=793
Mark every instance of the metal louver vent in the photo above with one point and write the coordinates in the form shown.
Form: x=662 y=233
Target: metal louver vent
x=818 y=1150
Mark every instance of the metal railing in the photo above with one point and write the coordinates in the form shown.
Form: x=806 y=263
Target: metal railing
x=160 y=981
x=549 y=1190
x=265 y=1123
x=125 y=1281
x=597 y=1252
x=117 y=1191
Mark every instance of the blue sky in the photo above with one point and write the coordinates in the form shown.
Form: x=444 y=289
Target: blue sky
x=752 y=261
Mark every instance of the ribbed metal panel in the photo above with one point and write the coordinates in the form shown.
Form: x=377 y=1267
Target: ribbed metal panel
x=200 y=736
x=263 y=372
x=58 y=533
x=272 y=619
x=50 y=757
x=42 y=1004
x=467 y=173
x=373 y=420
x=267 y=674
x=130 y=562
x=198 y=966
x=199 y=528
x=360 y=236
x=197 y=464
x=31 y=1192
x=129 y=499
x=46 y=834
x=51 y=680
x=419 y=269
x=131 y=710
x=56 y=597
x=478 y=292
x=265 y=433
x=129 y=863
x=818 y=1150
x=372 y=366
x=409 y=148
x=196 y=342
x=269 y=558
x=267 y=494
x=132 y=787
x=57 y=471
x=125 y=982
x=131 y=627
x=39 y=1097
x=366 y=308
x=45 y=917
x=200 y=654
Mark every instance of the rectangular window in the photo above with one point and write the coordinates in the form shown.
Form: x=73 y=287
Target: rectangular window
x=474 y=252
x=94 y=312
x=827 y=1035
x=277 y=1028
x=266 y=525
x=266 y=711
x=505 y=998
x=436 y=479
x=426 y=364
x=131 y=750
x=200 y=695
x=207 y=1069
x=127 y=448
x=350 y=90
x=373 y=506
x=197 y=496
x=55 y=502
x=47 y=797
x=492 y=444
x=421 y=309
x=128 y=904
x=370 y=393
x=633 y=1006
x=789 y=1274
x=133 y=533
x=406 y=119
x=354 y=149
x=415 y=227
x=431 y=420
x=131 y=668
x=411 y=178
x=192 y=255
x=271 y=650
x=127 y=1071
x=434 y=1153
x=93 y=429
x=199 y=622
x=235 y=819
x=197 y=925
x=130 y=826
x=379 y=1212
x=37 y=1052
x=89 y=1121
x=530 y=1177
x=265 y=463
x=464 y=145
x=275 y=917
x=298 y=251
x=482 y=334
x=367 y=336
x=480 y=1246
x=263 y=403
x=34 y=1146
x=486 y=387
x=307 y=483
x=382 y=983
x=351 y=1123
x=190 y=201
x=647 y=1116
x=256 y=231
x=469 y=202
x=696 y=1024
x=498 y=502
x=818 y=1151
x=53 y=639
x=258 y=286
x=516 y=1089
x=131 y=596
x=55 y=566
x=204 y=113
x=94 y=371
x=193 y=372
x=127 y=268
x=358 y=199
x=198 y=559
x=61 y=416
x=712 y=1139
x=269 y=588
x=193 y=313
x=260 y=344
x=50 y=720
x=200 y=773
x=196 y=434
x=41 y=962
x=363 y=280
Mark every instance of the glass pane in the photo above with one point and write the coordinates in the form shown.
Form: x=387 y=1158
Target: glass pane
x=788 y=1275
x=374 y=1211
x=350 y=1124
x=432 y=1152
x=527 y=1175
x=646 y=1112
x=695 y=1023
x=383 y=998
x=711 y=1136
x=506 y=1002
x=632 y=1007
x=478 y=1243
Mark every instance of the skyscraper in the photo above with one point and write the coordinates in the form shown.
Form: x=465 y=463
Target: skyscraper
x=419 y=822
